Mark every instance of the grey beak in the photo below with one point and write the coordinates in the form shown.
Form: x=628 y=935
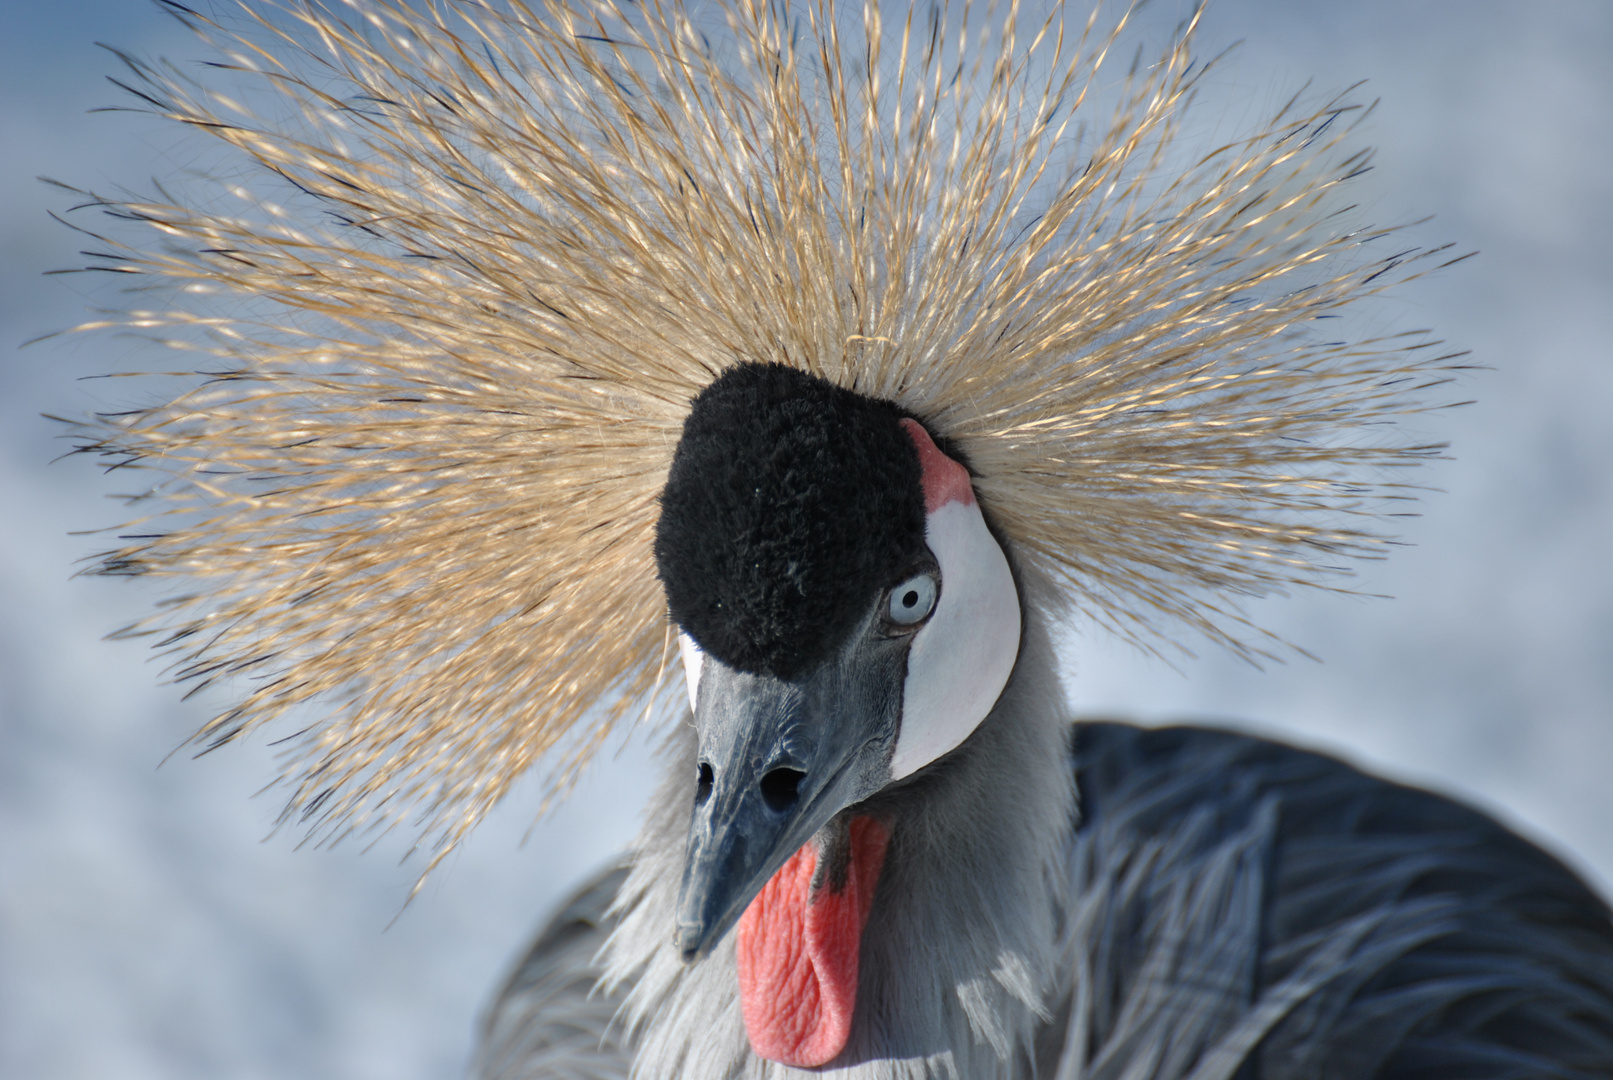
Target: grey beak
x=778 y=760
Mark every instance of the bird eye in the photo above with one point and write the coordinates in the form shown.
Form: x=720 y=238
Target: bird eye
x=912 y=601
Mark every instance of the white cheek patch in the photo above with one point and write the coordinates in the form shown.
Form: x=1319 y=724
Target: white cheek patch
x=960 y=661
x=692 y=659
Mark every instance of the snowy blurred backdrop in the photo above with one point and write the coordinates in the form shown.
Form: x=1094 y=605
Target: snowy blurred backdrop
x=146 y=932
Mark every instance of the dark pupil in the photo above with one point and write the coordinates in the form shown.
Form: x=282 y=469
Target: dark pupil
x=910 y=598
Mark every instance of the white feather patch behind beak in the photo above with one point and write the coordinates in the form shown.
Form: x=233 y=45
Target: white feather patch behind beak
x=692 y=659
x=960 y=661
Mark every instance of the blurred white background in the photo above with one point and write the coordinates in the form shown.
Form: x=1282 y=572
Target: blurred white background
x=146 y=932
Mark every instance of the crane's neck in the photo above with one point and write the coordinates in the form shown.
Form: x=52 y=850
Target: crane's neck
x=957 y=956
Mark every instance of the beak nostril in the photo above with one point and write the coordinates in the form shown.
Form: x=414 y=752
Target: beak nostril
x=702 y=789
x=781 y=788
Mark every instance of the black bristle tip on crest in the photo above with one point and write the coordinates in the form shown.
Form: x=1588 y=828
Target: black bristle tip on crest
x=790 y=502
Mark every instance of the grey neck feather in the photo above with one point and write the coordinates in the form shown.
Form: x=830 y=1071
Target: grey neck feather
x=979 y=841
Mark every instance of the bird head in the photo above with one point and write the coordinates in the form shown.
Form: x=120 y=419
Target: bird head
x=846 y=617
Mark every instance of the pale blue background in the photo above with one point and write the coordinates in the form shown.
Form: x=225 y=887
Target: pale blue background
x=145 y=931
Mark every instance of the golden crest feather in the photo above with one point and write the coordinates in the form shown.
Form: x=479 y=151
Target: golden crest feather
x=448 y=358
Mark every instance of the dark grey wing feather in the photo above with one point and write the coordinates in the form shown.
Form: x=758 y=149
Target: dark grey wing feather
x=550 y=1021
x=1396 y=933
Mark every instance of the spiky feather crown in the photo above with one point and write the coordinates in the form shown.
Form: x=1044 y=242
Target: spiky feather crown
x=416 y=477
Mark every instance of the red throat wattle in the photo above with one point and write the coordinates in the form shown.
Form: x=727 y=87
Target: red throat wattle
x=798 y=952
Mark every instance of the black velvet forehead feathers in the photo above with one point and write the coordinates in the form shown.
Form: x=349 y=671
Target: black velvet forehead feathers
x=790 y=503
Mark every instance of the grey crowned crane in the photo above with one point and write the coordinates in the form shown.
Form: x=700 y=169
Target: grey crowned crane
x=844 y=355
x=904 y=859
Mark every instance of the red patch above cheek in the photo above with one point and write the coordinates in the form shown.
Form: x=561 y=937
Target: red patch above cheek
x=798 y=953
x=944 y=479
